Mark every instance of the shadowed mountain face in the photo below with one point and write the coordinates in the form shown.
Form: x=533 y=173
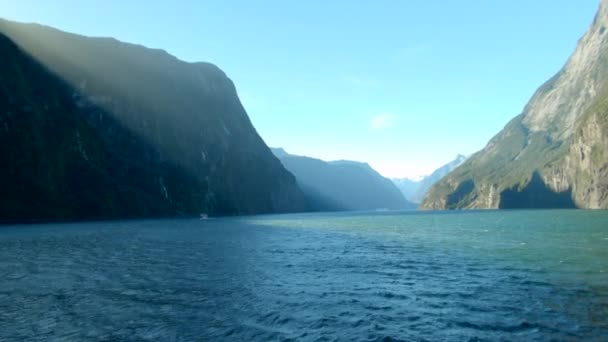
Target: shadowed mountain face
x=557 y=148
x=343 y=185
x=537 y=195
x=95 y=128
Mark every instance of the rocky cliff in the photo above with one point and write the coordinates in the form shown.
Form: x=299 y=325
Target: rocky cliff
x=552 y=155
x=96 y=128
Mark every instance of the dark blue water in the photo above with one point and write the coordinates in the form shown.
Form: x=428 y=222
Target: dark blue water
x=521 y=275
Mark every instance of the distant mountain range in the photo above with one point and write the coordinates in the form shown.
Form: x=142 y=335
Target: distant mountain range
x=95 y=128
x=343 y=185
x=554 y=154
x=414 y=190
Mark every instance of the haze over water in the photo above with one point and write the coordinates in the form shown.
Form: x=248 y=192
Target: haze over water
x=510 y=275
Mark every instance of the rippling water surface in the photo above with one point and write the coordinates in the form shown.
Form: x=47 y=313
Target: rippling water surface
x=517 y=275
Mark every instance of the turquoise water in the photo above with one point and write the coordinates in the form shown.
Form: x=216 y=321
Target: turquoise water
x=510 y=275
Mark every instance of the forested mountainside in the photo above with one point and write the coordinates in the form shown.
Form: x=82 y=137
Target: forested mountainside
x=97 y=128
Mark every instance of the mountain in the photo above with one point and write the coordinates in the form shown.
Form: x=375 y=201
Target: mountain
x=95 y=128
x=554 y=154
x=415 y=190
x=408 y=187
x=343 y=185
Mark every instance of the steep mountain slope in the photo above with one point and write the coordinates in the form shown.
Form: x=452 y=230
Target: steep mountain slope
x=554 y=153
x=92 y=128
x=343 y=185
x=415 y=190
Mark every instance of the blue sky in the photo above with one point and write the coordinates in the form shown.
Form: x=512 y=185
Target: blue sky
x=403 y=85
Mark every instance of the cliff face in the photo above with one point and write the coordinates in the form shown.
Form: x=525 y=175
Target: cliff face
x=554 y=153
x=96 y=128
x=343 y=185
x=584 y=168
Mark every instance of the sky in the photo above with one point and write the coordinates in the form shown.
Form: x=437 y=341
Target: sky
x=402 y=85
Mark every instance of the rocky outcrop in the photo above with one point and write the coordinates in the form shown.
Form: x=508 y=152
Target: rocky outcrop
x=96 y=128
x=556 y=148
x=584 y=169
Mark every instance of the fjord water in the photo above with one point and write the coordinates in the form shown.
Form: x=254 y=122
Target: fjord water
x=497 y=275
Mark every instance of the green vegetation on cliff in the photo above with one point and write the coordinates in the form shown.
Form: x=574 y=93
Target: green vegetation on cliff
x=95 y=128
x=556 y=148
